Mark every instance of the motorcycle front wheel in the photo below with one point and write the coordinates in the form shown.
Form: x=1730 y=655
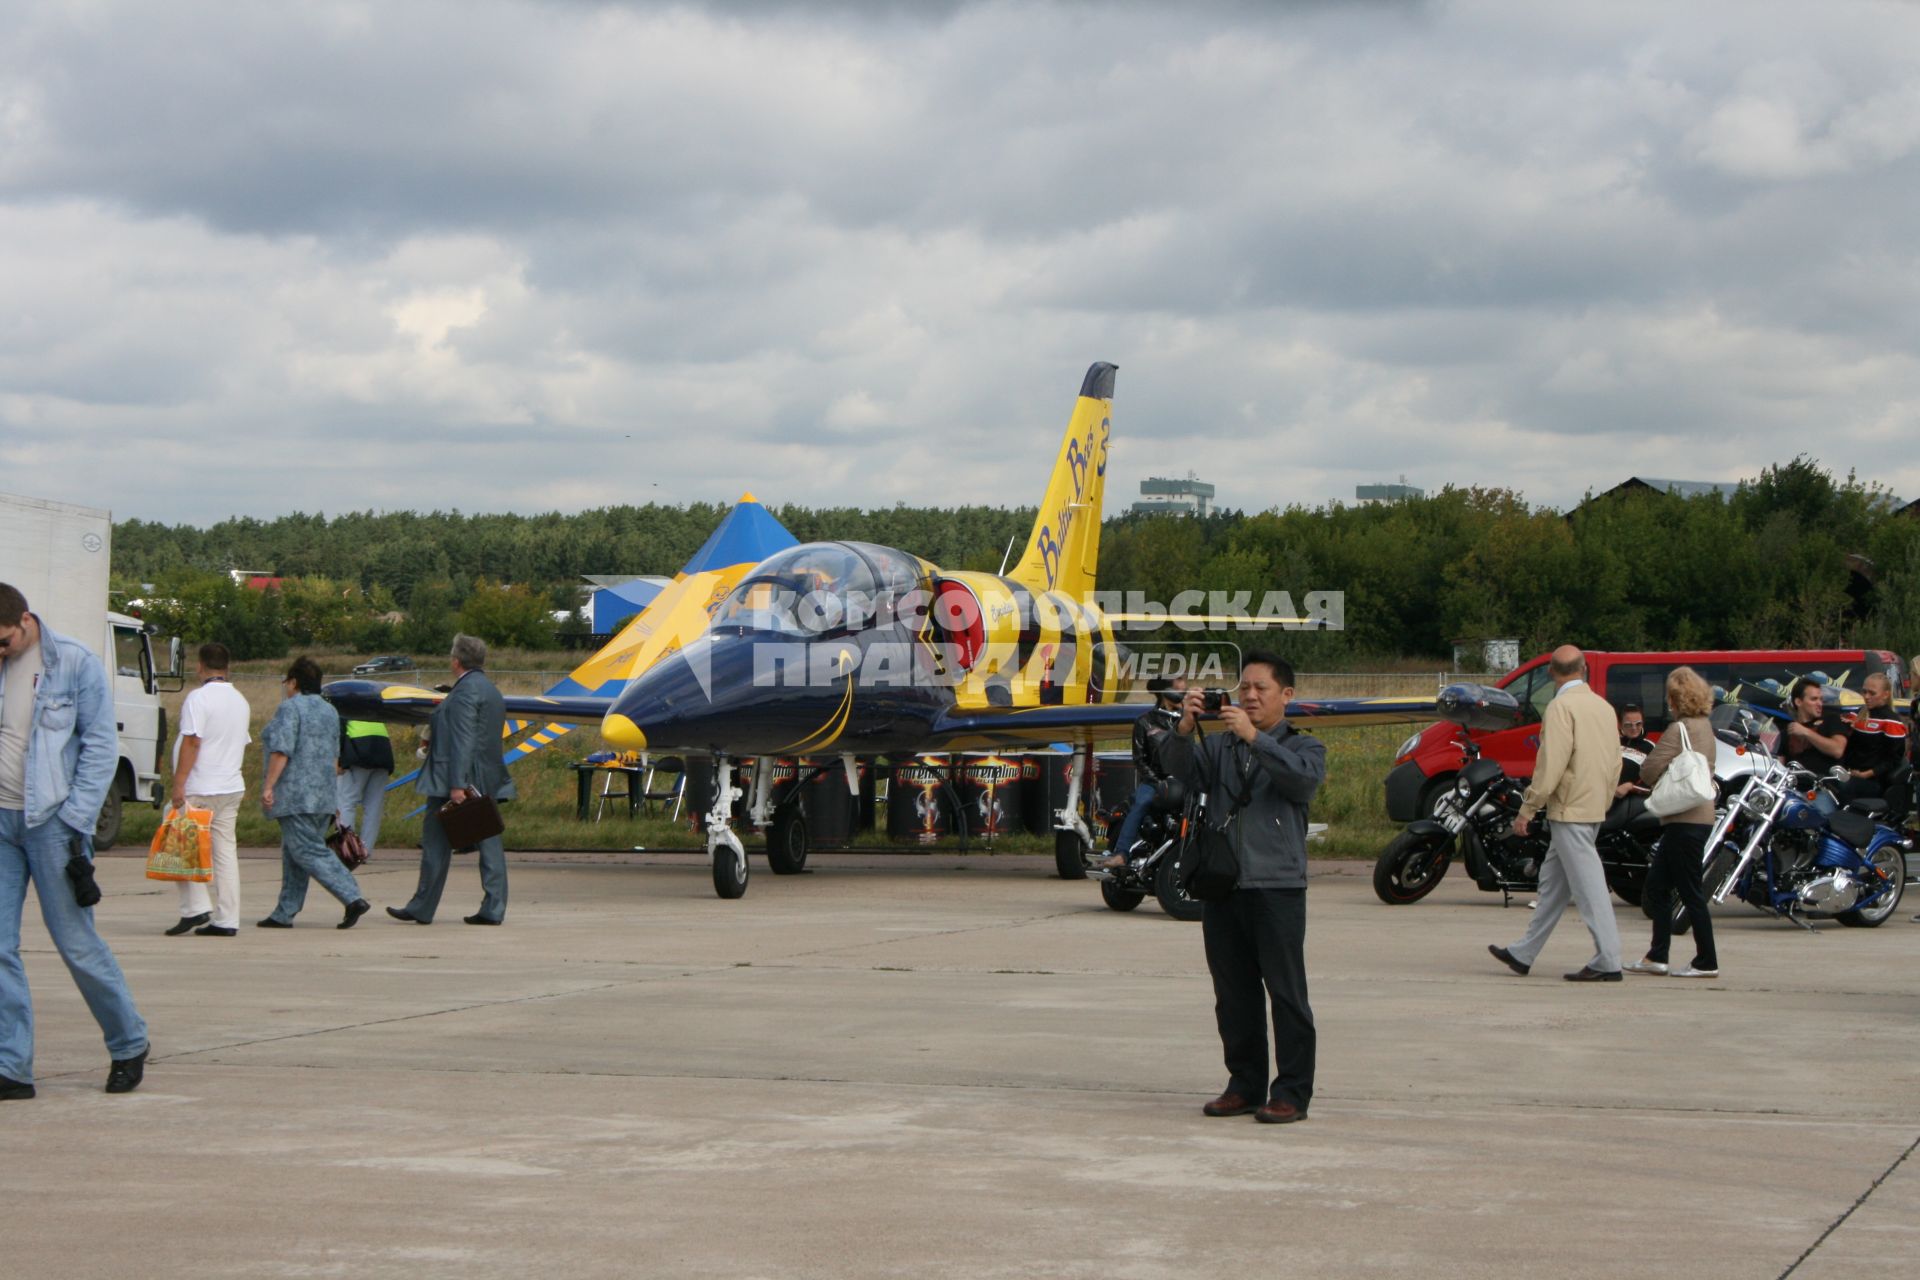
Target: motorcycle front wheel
x=1891 y=863
x=1171 y=894
x=1410 y=866
x=1120 y=899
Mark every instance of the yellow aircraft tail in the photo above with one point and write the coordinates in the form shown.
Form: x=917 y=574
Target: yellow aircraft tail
x=1064 y=549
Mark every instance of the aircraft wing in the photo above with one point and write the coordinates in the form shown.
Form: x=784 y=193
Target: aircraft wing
x=410 y=704
x=996 y=727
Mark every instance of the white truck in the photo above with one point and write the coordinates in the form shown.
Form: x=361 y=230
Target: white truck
x=59 y=556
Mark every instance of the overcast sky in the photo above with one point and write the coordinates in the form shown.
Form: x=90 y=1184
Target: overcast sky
x=515 y=256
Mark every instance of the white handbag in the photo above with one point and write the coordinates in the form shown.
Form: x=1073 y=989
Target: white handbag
x=1687 y=783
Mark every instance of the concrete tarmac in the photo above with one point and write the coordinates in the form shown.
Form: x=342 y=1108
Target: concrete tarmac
x=910 y=1067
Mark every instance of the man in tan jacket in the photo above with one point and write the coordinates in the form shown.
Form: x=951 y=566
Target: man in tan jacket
x=1573 y=780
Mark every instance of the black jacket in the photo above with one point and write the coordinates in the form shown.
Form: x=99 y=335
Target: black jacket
x=1280 y=771
x=1148 y=732
x=374 y=751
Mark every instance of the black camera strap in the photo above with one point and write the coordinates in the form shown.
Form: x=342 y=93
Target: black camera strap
x=1236 y=750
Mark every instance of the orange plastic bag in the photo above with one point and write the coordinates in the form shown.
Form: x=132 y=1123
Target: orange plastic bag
x=182 y=848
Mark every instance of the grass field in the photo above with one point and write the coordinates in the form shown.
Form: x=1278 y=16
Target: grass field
x=544 y=815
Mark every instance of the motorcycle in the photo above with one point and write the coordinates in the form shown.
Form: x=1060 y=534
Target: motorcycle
x=1153 y=860
x=1785 y=844
x=1477 y=814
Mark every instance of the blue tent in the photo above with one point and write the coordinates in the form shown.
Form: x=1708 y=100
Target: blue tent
x=612 y=606
x=748 y=535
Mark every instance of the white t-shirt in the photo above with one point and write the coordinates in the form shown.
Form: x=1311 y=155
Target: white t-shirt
x=217 y=714
x=16 y=726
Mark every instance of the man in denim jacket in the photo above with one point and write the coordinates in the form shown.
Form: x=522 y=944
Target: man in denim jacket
x=1256 y=939
x=58 y=752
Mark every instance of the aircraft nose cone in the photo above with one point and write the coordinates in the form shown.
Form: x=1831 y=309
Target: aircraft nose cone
x=622 y=732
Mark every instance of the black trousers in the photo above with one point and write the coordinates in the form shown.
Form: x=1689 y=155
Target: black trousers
x=1256 y=950
x=1676 y=869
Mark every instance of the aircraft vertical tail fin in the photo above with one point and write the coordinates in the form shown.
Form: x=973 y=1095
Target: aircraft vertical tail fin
x=1063 y=551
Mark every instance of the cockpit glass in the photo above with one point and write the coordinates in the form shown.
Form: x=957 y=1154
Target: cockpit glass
x=809 y=590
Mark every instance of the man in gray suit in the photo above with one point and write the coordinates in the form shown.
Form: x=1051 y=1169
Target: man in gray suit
x=463 y=760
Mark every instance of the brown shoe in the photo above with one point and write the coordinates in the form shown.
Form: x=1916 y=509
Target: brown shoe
x=1587 y=973
x=1279 y=1113
x=1227 y=1104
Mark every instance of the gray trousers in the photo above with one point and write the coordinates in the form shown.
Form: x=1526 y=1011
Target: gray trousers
x=436 y=853
x=365 y=790
x=1572 y=870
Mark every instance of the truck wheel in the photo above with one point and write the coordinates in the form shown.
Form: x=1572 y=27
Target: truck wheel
x=107 y=829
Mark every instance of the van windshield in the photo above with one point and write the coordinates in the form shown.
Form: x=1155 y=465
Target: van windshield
x=1534 y=689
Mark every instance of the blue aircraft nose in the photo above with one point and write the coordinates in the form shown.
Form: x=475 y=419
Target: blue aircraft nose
x=751 y=701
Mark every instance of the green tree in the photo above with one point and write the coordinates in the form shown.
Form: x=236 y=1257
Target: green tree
x=514 y=616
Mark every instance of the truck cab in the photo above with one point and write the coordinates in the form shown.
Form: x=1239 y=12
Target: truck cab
x=58 y=555
x=138 y=681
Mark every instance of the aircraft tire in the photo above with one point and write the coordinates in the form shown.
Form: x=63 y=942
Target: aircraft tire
x=1069 y=855
x=729 y=874
x=788 y=841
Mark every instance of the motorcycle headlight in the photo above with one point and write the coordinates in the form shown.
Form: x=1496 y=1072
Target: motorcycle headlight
x=1406 y=748
x=1461 y=786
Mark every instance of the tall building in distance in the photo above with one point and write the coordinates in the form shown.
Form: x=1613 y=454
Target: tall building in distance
x=1160 y=497
x=1369 y=494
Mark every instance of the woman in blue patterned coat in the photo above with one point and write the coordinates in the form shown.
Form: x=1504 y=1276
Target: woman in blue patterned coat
x=303 y=743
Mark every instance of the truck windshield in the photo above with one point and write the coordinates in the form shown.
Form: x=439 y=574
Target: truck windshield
x=129 y=645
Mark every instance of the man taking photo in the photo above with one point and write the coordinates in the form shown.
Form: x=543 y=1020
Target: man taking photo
x=1265 y=773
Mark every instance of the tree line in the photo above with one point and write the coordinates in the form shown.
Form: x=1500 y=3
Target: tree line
x=1796 y=557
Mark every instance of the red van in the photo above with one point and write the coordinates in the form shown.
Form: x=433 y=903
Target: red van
x=1426 y=763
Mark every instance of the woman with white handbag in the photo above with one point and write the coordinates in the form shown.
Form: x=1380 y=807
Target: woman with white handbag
x=1680 y=771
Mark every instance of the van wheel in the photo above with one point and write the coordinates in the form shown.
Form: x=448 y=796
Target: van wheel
x=107 y=828
x=1431 y=793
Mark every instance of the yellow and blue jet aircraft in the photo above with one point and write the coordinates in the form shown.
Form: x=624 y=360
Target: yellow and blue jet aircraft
x=850 y=649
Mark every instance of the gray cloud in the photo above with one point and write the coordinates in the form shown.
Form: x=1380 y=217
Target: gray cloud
x=505 y=255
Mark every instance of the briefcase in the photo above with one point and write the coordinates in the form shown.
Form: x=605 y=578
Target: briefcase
x=468 y=822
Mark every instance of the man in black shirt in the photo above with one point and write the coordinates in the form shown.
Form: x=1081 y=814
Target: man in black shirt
x=1816 y=737
x=1149 y=771
x=1876 y=743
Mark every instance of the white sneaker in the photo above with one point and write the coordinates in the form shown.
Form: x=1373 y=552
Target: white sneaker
x=1688 y=971
x=1644 y=966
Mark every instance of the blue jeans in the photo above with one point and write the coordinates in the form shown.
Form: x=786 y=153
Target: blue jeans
x=1130 y=828
x=40 y=854
x=303 y=855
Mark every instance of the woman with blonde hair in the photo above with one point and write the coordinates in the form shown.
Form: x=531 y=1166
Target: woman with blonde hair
x=1683 y=836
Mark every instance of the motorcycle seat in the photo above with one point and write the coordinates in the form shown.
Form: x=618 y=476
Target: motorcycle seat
x=1629 y=813
x=1871 y=806
x=1170 y=795
x=1854 y=828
